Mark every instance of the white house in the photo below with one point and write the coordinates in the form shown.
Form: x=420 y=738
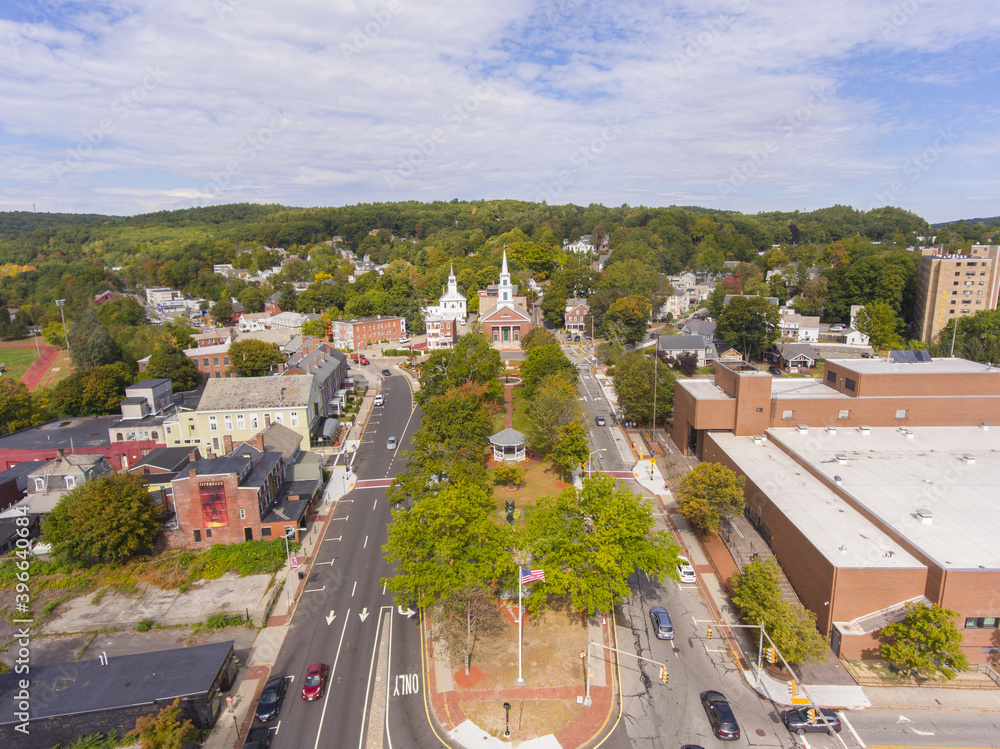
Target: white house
x=800 y=328
x=452 y=304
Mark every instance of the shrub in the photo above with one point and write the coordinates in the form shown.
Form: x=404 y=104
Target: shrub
x=144 y=625
x=508 y=474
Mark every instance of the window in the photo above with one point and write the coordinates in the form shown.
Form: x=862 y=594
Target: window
x=787 y=414
x=215 y=443
x=39 y=484
x=205 y=362
x=215 y=361
x=228 y=421
x=253 y=421
x=243 y=514
x=70 y=482
x=240 y=422
x=208 y=533
x=225 y=360
x=295 y=418
x=213 y=424
x=843 y=414
x=197 y=537
x=982 y=622
x=900 y=413
x=266 y=531
x=831 y=377
x=279 y=418
x=850 y=384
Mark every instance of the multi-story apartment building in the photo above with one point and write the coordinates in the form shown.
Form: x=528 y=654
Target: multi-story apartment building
x=359 y=332
x=953 y=285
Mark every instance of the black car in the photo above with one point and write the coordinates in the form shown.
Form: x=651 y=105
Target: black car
x=776 y=371
x=269 y=704
x=386 y=373
x=258 y=738
x=808 y=720
x=720 y=715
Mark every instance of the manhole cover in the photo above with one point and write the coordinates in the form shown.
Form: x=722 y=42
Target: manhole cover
x=63 y=684
x=761 y=732
x=677 y=650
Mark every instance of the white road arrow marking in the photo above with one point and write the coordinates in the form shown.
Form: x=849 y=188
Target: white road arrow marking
x=364 y=613
x=407 y=612
x=330 y=617
x=903 y=719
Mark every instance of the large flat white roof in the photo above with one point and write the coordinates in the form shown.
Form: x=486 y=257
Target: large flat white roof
x=949 y=474
x=834 y=528
x=935 y=366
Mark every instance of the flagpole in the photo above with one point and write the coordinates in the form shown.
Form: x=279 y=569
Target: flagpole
x=520 y=618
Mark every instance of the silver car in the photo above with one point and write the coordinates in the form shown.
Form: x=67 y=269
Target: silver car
x=662 y=626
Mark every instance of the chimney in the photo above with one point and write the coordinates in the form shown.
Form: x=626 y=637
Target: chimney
x=60 y=452
x=192 y=473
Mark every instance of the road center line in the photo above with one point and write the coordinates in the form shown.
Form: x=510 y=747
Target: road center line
x=366 y=543
x=354 y=588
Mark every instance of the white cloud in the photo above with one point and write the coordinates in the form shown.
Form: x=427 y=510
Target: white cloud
x=315 y=103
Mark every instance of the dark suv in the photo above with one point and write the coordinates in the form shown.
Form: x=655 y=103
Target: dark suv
x=776 y=371
x=808 y=720
x=720 y=715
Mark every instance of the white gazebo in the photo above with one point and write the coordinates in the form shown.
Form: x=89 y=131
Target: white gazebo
x=508 y=445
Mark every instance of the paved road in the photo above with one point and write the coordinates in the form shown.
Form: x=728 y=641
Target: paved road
x=344 y=615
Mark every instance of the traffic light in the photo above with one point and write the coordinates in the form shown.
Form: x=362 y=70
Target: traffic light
x=664 y=675
x=509 y=507
x=771 y=654
x=813 y=715
x=709 y=634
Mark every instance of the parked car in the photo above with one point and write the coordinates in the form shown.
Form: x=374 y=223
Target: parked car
x=258 y=738
x=663 y=628
x=364 y=360
x=576 y=338
x=386 y=373
x=390 y=444
x=807 y=720
x=686 y=571
x=837 y=327
x=720 y=715
x=600 y=421
x=404 y=339
x=269 y=704
x=776 y=371
x=315 y=682
x=379 y=399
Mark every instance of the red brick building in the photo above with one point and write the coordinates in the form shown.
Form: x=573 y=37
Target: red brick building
x=503 y=315
x=358 y=333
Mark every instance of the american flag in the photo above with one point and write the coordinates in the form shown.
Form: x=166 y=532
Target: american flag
x=530 y=576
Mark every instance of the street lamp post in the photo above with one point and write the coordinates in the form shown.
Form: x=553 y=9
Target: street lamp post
x=59 y=304
x=590 y=461
x=506 y=731
x=586 y=700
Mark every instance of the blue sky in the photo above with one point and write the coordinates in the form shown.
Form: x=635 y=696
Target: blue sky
x=132 y=106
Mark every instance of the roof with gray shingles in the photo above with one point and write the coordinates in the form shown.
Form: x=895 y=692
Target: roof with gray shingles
x=240 y=393
x=508 y=438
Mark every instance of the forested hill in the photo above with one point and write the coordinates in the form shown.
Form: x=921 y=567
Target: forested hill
x=48 y=256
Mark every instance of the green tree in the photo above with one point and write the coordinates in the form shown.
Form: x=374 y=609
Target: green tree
x=544 y=362
x=165 y=730
x=445 y=542
x=252 y=299
x=590 y=542
x=471 y=360
x=90 y=343
x=253 y=358
x=538 y=336
x=749 y=324
x=317 y=327
x=110 y=519
x=570 y=446
x=222 y=311
x=53 y=334
x=555 y=404
x=170 y=363
x=792 y=628
x=625 y=321
x=91 y=391
x=879 y=322
x=708 y=491
x=17 y=410
x=925 y=641
x=634 y=377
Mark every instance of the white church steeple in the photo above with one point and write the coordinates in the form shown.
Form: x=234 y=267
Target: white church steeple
x=504 y=290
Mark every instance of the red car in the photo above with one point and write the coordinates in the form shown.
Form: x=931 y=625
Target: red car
x=315 y=682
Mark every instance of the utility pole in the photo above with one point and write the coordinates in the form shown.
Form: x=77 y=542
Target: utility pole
x=656 y=381
x=59 y=304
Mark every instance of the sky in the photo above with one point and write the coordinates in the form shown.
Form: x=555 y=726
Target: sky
x=132 y=106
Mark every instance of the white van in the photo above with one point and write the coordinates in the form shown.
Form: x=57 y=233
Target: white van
x=379 y=399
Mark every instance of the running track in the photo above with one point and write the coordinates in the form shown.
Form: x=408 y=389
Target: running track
x=33 y=377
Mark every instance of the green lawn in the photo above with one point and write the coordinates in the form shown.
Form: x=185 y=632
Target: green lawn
x=17 y=361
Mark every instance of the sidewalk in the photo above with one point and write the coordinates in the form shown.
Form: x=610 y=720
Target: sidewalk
x=231 y=728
